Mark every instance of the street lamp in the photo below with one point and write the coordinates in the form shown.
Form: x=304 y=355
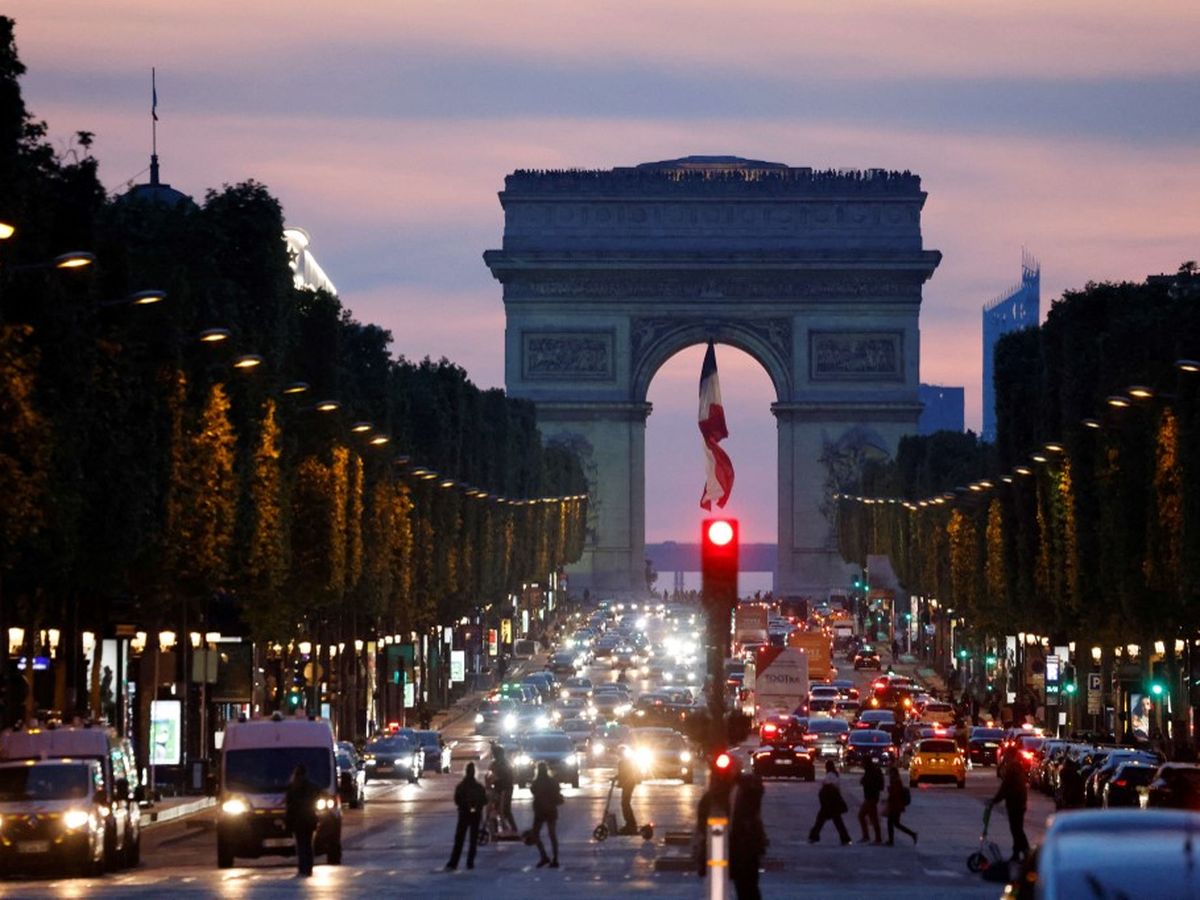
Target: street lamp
x=214 y=335
x=7 y=230
x=295 y=387
x=1187 y=365
x=326 y=406
x=74 y=259
x=361 y=427
x=248 y=361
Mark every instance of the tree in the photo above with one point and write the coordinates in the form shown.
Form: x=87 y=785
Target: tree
x=265 y=569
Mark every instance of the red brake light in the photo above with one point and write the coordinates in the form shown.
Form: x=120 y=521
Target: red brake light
x=808 y=737
x=1120 y=782
x=1027 y=754
x=770 y=726
x=723 y=762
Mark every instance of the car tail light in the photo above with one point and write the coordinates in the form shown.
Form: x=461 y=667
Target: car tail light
x=1120 y=782
x=843 y=737
x=808 y=737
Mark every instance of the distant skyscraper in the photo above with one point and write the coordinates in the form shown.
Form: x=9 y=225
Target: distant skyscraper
x=1017 y=308
x=943 y=408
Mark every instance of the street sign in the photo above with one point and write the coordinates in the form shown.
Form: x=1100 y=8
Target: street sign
x=1093 y=694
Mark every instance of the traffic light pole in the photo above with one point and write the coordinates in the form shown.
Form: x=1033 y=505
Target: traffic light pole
x=719 y=571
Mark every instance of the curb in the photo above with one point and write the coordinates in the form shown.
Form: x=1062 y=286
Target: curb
x=152 y=817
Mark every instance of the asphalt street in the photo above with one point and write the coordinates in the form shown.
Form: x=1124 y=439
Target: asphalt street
x=398 y=844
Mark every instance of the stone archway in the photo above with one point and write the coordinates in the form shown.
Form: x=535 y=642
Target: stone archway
x=817 y=275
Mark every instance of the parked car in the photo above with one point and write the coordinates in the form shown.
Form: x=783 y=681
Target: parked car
x=1175 y=786
x=1122 y=788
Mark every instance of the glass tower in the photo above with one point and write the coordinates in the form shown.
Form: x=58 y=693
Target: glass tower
x=1017 y=308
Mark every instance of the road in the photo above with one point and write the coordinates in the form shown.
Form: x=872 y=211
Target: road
x=398 y=844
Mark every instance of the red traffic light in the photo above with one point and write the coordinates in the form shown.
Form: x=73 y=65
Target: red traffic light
x=720 y=532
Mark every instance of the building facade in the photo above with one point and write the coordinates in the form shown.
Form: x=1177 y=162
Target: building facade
x=942 y=408
x=1017 y=308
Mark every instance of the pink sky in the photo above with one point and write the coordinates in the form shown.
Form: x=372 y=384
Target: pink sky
x=386 y=131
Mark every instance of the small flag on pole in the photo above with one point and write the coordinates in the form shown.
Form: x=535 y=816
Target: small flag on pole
x=719 y=469
x=153 y=95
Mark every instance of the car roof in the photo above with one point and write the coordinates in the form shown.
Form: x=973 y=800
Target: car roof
x=52 y=742
x=277 y=733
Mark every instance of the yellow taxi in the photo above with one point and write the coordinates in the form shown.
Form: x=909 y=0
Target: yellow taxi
x=937 y=759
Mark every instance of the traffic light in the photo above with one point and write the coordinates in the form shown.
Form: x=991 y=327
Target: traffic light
x=1157 y=689
x=295 y=698
x=964 y=653
x=1069 y=687
x=990 y=659
x=719 y=563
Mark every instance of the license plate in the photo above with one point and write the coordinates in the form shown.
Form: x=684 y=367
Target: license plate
x=33 y=846
x=277 y=842
x=784 y=762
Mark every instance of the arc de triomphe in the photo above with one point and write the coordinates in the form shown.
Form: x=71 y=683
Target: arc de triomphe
x=817 y=275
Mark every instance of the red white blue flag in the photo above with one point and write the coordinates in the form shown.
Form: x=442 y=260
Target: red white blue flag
x=719 y=470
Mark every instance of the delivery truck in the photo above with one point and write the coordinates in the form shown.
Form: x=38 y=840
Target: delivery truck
x=780 y=682
x=819 y=648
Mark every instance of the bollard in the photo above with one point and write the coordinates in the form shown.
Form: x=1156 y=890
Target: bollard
x=718 y=859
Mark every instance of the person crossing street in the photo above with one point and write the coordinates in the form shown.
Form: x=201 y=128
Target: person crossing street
x=872 y=787
x=1014 y=792
x=547 y=797
x=832 y=806
x=898 y=799
x=300 y=817
x=470 y=798
x=628 y=778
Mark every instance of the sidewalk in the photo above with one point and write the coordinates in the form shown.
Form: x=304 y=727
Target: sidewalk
x=171 y=808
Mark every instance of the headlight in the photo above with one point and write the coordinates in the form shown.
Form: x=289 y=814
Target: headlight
x=510 y=721
x=235 y=806
x=541 y=722
x=685 y=755
x=75 y=819
x=522 y=759
x=643 y=756
x=564 y=694
x=370 y=757
x=645 y=670
x=478 y=718
x=324 y=803
x=573 y=759
x=598 y=748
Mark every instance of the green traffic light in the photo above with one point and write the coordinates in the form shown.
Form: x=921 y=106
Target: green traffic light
x=963 y=654
x=991 y=660
x=1156 y=689
x=1069 y=687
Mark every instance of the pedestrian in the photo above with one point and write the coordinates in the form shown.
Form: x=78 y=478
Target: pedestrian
x=470 y=798
x=300 y=817
x=1071 y=786
x=747 y=837
x=424 y=716
x=628 y=778
x=502 y=778
x=872 y=787
x=898 y=799
x=547 y=798
x=832 y=806
x=1015 y=793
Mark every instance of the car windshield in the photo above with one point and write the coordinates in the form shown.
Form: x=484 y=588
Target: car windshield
x=267 y=770
x=827 y=725
x=936 y=746
x=1136 y=774
x=821 y=703
x=986 y=734
x=878 y=717
x=44 y=782
x=550 y=743
x=344 y=761
x=870 y=737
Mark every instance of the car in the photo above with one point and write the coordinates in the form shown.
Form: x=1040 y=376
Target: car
x=938 y=713
x=1122 y=788
x=662 y=753
x=555 y=749
x=562 y=663
x=824 y=691
x=914 y=733
x=845 y=688
x=580 y=688
x=122 y=840
x=579 y=730
x=875 y=718
x=437 y=752
x=867 y=658
x=610 y=705
x=527 y=720
x=1112 y=853
x=494 y=714
x=1094 y=784
x=1175 y=786
x=54 y=816
x=983 y=745
x=864 y=744
x=394 y=756
x=352 y=779
x=848 y=710
x=606 y=741
x=937 y=759
x=786 y=759
x=822 y=706
x=827 y=737
x=573 y=707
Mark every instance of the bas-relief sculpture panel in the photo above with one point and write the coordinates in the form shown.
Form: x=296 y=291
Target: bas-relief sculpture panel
x=856 y=355
x=567 y=356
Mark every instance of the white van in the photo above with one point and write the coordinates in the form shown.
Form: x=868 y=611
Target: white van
x=257 y=760
x=53 y=816
x=122 y=824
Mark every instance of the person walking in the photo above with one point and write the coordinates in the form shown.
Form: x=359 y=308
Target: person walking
x=502 y=779
x=1014 y=792
x=628 y=778
x=1071 y=786
x=898 y=799
x=547 y=797
x=832 y=806
x=300 y=817
x=470 y=798
x=872 y=788
x=747 y=837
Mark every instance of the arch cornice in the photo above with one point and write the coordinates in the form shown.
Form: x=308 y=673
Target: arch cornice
x=654 y=340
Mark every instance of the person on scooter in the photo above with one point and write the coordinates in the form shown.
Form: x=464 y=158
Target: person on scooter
x=628 y=778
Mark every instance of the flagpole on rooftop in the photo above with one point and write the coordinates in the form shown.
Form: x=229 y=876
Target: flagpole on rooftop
x=153 y=126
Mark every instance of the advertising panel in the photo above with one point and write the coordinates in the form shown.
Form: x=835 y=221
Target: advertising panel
x=165 y=719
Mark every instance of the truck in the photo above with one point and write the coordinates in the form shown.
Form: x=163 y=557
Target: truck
x=819 y=648
x=750 y=622
x=780 y=681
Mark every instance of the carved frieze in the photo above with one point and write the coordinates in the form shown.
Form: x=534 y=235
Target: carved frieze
x=704 y=286
x=647 y=333
x=856 y=355
x=567 y=356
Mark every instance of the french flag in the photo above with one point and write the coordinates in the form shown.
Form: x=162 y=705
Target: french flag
x=719 y=469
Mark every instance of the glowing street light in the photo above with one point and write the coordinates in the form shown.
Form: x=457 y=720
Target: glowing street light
x=1090 y=423
x=146 y=298
x=379 y=440
x=248 y=361
x=214 y=335
x=328 y=406
x=7 y=230
x=75 y=259
x=1118 y=401
x=1187 y=365
x=1140 y=391
x=361 y=427
x=296 y=387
